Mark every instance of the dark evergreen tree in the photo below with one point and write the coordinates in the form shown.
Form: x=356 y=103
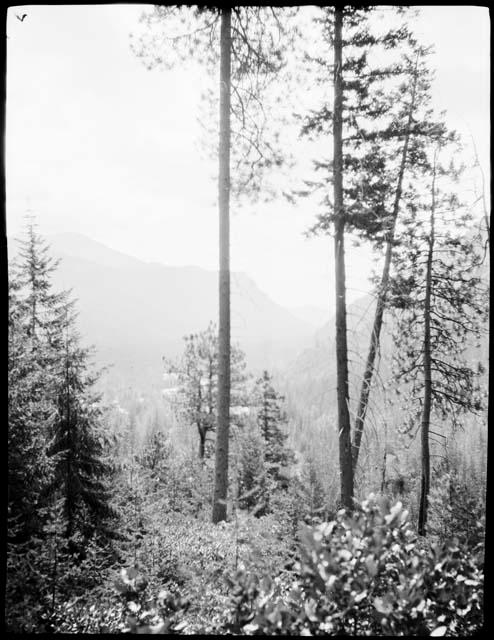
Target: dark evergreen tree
x=81 y=446
x=270 y=419
x=58 y=469
x=33 y=312
x=30 y=419
x=252 y=473
x=312 y=492
x=60 y=421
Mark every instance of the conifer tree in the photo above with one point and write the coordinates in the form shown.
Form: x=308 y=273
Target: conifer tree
x=252 y=473
x=438 y=299
x=359 y=122
x=402 y=143
x=30 y=416
x=270 y=419
x=249 y=55
x=156 y=452
x=197 y=373
x=33 y=308
x=33 y=268
x=46 y=355
x=80 y=445
x=312 y=490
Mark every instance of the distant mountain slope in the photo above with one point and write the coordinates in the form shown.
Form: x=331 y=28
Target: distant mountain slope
x=315 y=316
x=135 y=312
x=309 y=382
x=77 y=245
x=311 y=377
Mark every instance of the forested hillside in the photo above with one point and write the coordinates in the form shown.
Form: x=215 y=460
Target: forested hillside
x=185 y=455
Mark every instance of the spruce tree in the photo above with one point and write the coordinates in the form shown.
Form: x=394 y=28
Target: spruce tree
x=252 y=473
x=68 y=445
x=270 y=419
x=30 y=418
x=312 y=490
x=81 y=446
x=33 y=308
x=32 y=268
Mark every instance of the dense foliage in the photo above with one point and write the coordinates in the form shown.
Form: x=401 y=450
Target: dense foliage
x=366 y=574
x=59 y=468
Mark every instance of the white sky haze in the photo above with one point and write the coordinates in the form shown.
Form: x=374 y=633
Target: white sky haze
x=97 y=144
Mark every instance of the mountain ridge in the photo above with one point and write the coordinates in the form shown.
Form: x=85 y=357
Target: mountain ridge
x=134 y=312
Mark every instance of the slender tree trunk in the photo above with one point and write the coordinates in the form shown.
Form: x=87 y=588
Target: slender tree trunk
x=54 y=577
x=385 y=455
x=221 y=470
x=202 y=442
x=382 y=294
x=345 y=448
x=200 y=424
x=209 y=423
x=69 y=493
x=426 y=411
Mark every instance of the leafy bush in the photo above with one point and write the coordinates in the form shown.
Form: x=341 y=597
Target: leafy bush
x=364 y=574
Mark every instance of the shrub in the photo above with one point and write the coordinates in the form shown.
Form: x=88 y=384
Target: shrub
x=364 y=574
x=199 y=602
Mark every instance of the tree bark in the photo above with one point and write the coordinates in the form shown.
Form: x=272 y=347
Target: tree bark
x=345 y=450
x=382 y=294
x=200 y=423
x=222 y=431
x=426 y=411
x=202 y=442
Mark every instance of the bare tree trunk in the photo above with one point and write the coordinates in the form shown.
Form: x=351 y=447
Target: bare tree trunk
x=345 y=449
x=382 y=294
x=385 y=455
x=221 y=469
x=426 y=411
x=202 y=442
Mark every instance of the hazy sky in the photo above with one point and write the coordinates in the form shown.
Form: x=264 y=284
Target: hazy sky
x=96 y=143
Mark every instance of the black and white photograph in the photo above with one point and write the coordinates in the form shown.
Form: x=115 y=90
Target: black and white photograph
x=248 y=277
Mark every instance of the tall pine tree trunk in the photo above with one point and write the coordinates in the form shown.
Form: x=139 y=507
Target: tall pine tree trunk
x=345 y=449
x=221 y=469
x=426 y=411
x=382 y=293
